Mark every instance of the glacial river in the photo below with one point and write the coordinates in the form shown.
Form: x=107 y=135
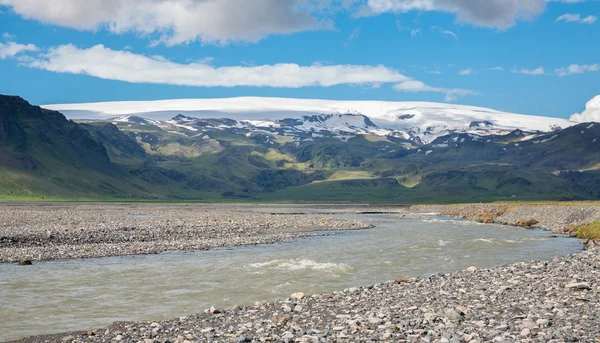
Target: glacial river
x=59 y=296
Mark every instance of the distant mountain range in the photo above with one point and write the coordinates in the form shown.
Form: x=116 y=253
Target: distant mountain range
x=292 y=150
x=424 y=120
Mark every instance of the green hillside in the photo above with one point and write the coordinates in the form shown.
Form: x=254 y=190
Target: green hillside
x=45 y=156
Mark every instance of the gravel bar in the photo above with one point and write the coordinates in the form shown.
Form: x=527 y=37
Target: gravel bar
x=556 y=218
x=65 y=231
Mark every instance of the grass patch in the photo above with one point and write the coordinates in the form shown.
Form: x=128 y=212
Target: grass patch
x=341 y=175
x=589 y=231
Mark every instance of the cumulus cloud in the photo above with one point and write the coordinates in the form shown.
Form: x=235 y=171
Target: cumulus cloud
x=102 y=62
x=534 y=72
x=12 y=49
x=577 y=69
x=577 y=18
x=500 y=14
x=591 y=113
x=178 y=21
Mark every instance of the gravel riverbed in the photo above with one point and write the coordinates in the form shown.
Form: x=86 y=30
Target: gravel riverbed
x=536 y=301
x=66 y=231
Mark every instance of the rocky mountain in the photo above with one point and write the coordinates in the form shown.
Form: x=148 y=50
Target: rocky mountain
x=424 y=120
x=298 y=156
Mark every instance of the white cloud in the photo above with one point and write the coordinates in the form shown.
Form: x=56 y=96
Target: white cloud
x=105 y=63
x=417 y=86
x=577 y=69
x=466 y=72
x=179 y=21
x=355 y=34
x=534 y=72
x=414 y=31
x=591 y=113
x=497 y=69
x=577 y=18
x=500 y=14
x=11 y=49
x=443 y=31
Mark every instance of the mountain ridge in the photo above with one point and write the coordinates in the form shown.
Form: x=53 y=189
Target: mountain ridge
x=423 y=119
x=310 y=157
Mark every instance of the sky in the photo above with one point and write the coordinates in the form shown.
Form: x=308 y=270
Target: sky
x=539 y=57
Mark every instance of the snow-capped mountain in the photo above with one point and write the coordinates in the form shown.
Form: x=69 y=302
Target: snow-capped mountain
x=422 y=120
x=340 y=126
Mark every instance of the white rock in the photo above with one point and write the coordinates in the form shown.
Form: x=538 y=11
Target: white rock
x=298 y=296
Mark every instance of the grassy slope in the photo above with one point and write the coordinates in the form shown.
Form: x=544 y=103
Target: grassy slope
x=51 y=157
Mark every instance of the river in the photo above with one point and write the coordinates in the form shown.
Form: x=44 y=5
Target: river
x=56 y=296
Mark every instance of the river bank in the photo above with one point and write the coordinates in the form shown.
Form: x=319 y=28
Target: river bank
x=556 y=300
x=537 y=301
x=42 y=232
x=557 y=217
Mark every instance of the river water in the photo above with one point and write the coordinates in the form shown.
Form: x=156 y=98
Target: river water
x=68 y=295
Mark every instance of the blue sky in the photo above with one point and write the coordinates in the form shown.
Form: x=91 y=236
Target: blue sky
x=525 y=56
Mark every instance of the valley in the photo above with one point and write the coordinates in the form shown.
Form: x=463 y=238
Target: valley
x=318 y=157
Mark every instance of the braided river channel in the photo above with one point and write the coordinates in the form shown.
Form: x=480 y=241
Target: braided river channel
x=57 y=296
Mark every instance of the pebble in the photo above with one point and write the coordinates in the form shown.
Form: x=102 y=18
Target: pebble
x=578 y=286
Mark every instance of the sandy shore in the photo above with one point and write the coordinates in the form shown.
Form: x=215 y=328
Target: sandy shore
x=30 y=232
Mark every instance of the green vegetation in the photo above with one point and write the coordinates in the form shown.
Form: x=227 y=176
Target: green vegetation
x=44 y=156
x=589 y=231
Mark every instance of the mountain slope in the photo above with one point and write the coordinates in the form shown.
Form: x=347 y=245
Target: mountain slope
x=309 y=157
x=44 y=155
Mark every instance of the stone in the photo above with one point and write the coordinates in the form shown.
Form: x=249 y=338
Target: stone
x=430 y=317
x=287 y=335
x=298 y=296
x=578 y=286
x=25 y=263
x=472 y=269
x=453 y=314
x=375 y=321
